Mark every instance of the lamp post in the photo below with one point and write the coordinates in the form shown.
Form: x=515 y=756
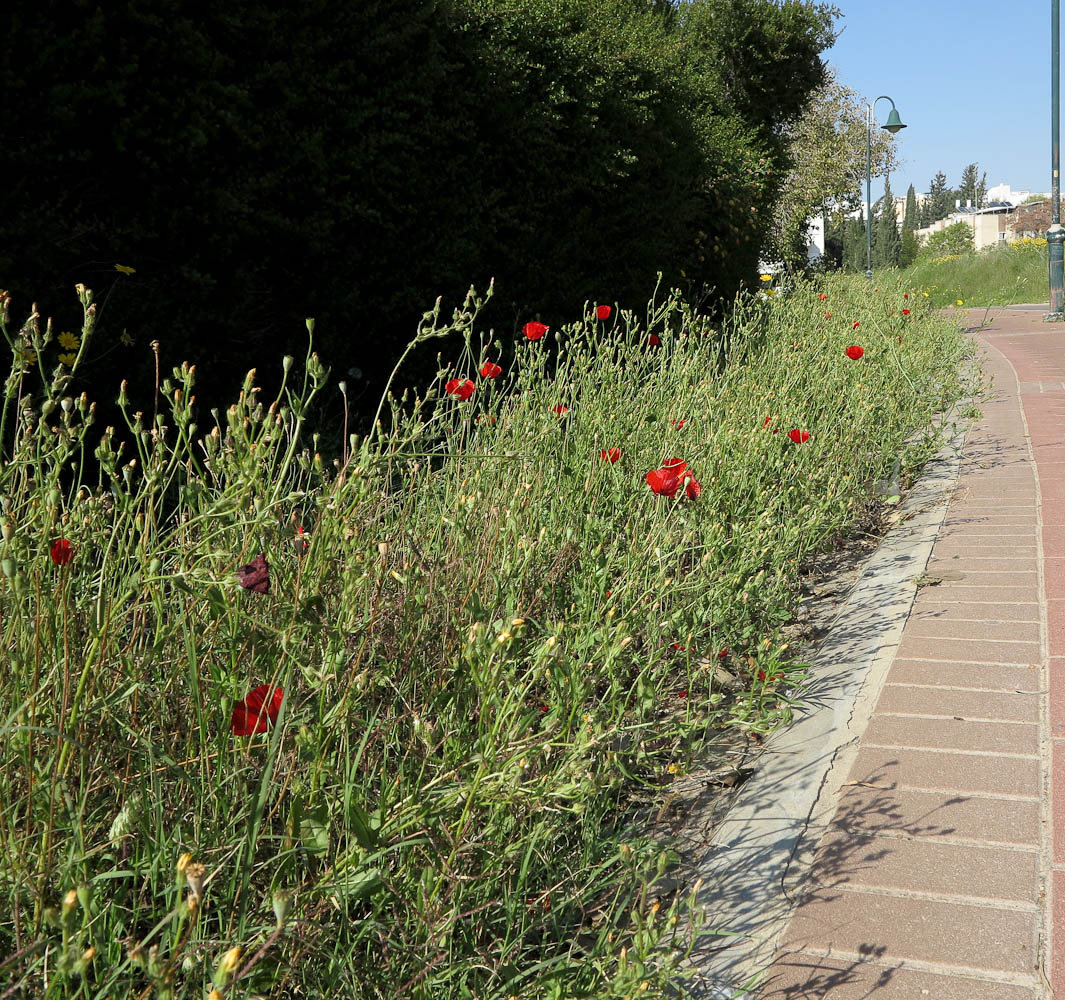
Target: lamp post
x=893 y=124
x=1055 y=234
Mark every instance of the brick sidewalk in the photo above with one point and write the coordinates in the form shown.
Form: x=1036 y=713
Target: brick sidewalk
x=943 y=872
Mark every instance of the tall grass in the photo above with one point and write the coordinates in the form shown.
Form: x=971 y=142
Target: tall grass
x=487 y=636
x=1000 y=275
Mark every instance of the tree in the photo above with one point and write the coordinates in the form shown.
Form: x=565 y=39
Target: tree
x=973 y=187
x=888 y=242
x=826 y=156
x=955 y=239
x=910 y=217
x=908 y=246
x=938 y=201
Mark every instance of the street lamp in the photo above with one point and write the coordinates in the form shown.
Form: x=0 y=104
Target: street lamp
x=894 y=123
x=1055 y=234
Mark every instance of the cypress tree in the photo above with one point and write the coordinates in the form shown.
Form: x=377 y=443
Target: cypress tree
x=908 y=241
x=888 y=242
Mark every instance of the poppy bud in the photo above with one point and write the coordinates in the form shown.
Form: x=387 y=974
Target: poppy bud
x=227 y=967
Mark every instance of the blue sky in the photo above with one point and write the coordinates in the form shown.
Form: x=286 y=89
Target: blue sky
x=970 y=78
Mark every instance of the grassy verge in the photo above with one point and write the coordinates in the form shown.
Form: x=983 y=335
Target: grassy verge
x=997 y=276
x=282 y=724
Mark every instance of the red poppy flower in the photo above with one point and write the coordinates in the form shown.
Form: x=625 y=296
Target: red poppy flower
x=535 y=330
x=679 y=424
x=692 y=487
x=682 y=694
x=652 y=339
x=560 y=409
x=664 y=483
x=62 y=552
x=766 y=422
x=828 y=315
x=461 y=388
x=761 y=675
x=822 y=297
x=489 y=370
x=543 y=708
x=722 y=654
x=255 y=575
x=300 y=541
x=683 y=649
x=856 y=325
x=602 y=312
x=905 y=295
x=251 y=715
x=900 y=340
x=610 y=455
x=905 y=312
x=799 y=437
x=854 y=352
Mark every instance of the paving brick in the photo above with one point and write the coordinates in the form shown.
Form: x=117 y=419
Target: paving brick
x=978 y=563
x=1054 y=577
x=951 y=734
x=1057 y=933
x=930 y=815
x=991 y=677
x=962 y=593
x=1057 y=798
x=800 y=976
x=977 y=936
x=989 y=530
x=959 y=519
x=1054 y=540
x=951 y=628
x=972 y=650
x=947 y=547
x=927 y=607
x=858 y=860
x=1056 y=683
x=1055 y=612
x=957 y=702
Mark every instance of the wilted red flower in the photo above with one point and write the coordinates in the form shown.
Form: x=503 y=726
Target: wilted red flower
x=603 y=312
x=679 y=424
x=489 y=370
x=252 y=714
x=462 y=388
x=255 y=575
x=652 y=339
x=543 y=708
x=828 y=315
x=682 y=694
x=822 y=297
x=300 y=541
x=854 y=352
x=535 y=330
x=692 y=487
x=905 y=312
x=722 y=654
x=560 y=409
x=799 y=437
x=856 y=325
x=610 y=455
x=683 y=649
x=761 y=675
x=900 y=340
x=62 y=552
x=905 y=295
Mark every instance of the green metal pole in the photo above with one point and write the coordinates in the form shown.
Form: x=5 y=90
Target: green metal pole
x=1055 y=234
x=869 y=193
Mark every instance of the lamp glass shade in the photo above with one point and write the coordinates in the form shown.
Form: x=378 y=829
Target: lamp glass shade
x=894 y=122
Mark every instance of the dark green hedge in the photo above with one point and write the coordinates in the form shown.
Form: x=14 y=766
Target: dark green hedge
x=260 y=163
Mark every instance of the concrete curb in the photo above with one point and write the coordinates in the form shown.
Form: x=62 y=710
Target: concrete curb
x=761 y=853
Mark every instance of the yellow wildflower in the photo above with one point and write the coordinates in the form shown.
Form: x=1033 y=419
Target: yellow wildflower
x=767 y=277
x=68 y=359
x=28 y=355
x=960 y=303
x=69 y=340
x=125 y=269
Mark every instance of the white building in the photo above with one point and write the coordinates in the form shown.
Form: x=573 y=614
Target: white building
x=1003 y=192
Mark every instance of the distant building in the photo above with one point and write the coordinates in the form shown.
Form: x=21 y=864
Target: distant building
x=1004 y=193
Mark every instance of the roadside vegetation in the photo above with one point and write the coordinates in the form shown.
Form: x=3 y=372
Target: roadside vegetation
x=277 y=722
x=996 y=276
